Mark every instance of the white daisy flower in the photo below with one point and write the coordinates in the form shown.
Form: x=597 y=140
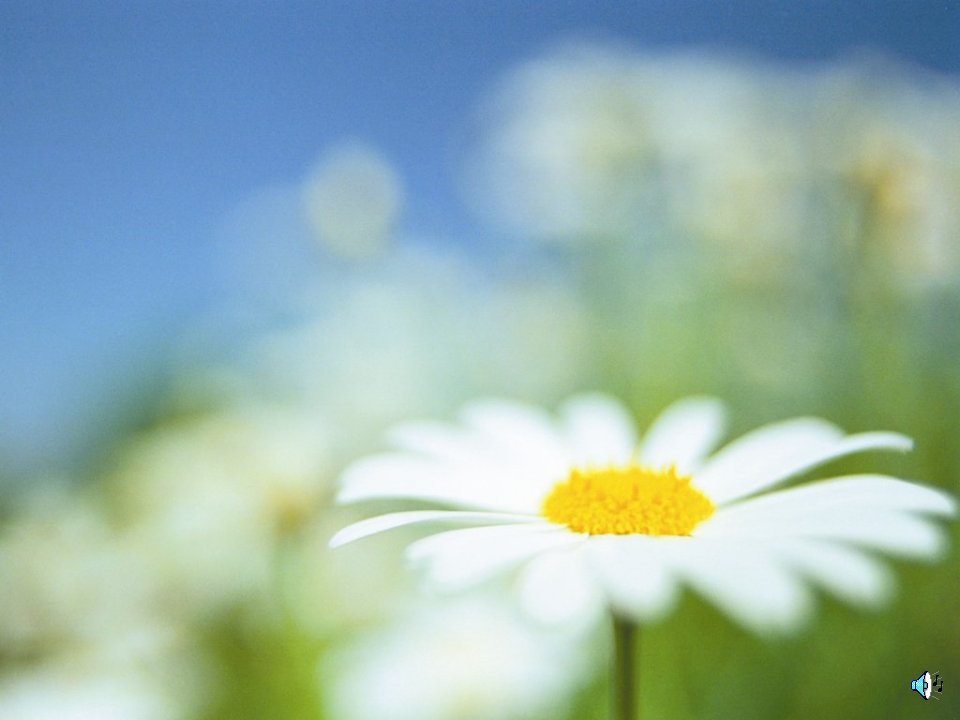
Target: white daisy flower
x=599 y=517
x=468 y=659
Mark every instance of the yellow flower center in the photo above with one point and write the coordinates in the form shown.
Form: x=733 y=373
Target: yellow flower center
x=627 y=500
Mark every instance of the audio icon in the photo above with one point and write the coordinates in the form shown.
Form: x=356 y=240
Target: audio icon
x=926 y=684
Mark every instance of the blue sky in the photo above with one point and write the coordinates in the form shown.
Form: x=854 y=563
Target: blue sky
x=129 y=131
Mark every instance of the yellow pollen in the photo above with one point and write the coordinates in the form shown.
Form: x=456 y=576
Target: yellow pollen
x=626 y=501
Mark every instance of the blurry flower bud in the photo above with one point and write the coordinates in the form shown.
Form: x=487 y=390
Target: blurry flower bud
x=351 y=200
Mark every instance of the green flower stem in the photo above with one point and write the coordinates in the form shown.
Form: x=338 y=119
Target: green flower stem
x=624 y=669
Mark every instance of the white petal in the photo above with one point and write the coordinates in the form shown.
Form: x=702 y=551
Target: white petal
x=435 y=440
x=744 y=581
x=389 y=475
x=634 y=574
x=374 y=525
x=777 y=452
x=460 y=558
x=520 y=429
x=684 y=434
x=845 y=572
x=884 y=530
x=558 y=588
x=851 y=491
x=398 y=475
x=527 y=455
x=599 y=430
x=894 y=534
x=762 y=453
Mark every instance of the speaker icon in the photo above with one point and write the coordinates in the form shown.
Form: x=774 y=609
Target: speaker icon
x=925 y=685
x=922 y=685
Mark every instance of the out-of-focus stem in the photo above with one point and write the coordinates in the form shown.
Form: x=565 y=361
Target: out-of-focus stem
x=624 y=669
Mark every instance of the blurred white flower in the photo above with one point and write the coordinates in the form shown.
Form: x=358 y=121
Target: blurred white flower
x=598 y=517
x=568 y=152
x=766 y=171
x=84 y=630
x=414 y=335
x=351 y=200
x=58 y=695
x=890 y=137
x=366 y=351
x=469 y=660
x=68 y=581
x=208 y=499
x=590 y=143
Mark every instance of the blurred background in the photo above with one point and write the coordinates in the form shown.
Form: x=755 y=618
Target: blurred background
x=238 y=240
